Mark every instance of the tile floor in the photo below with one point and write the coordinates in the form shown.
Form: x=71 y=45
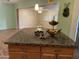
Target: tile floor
x=5 y=34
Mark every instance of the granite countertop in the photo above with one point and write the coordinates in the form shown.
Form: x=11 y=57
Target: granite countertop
x=26 y=36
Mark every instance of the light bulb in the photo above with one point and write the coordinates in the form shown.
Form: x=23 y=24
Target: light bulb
x=41 y=8
x=36 y=7
x=40 y=11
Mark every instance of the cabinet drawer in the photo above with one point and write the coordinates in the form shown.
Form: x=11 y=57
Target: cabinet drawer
x=68 y=51
x=32 y=49
x=48 y=56
x=16 y=55
x=65 y=57
x=48 y=50
x=15 y=48
x=31 y=55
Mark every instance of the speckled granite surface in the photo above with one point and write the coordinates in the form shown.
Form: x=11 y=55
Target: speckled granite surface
x=26 y=36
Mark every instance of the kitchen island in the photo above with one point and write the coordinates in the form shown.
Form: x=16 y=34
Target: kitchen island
x=25 y=45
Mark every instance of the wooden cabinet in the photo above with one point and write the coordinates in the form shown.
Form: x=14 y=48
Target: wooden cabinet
x=56 y=53
x=31 y=52
x=48 y=53
x=65 y=53
x=32 y=55
x=64 y=57
x=39 y=52
x=48 y=56
x=16 y=55
x=16 y=52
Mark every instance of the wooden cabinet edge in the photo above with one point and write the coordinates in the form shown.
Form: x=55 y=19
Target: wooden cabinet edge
x=41 y=51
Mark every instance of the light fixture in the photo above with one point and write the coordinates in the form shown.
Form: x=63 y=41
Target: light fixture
x=40 y=11
x=36 y=7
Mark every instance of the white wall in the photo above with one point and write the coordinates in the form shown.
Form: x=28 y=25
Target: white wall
x=27 y=18
x=30 y=18
x=47 y=15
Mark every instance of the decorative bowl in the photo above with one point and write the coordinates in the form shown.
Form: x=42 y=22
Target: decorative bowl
x=53 y=32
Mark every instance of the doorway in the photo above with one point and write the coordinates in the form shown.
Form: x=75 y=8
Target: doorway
x=29 y=18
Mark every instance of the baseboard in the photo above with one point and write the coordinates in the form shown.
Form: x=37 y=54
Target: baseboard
x=8 y=29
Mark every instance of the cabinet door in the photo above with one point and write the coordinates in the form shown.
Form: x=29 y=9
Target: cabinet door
x=64 y=57
x=30 y=55
x=16 y=55
x=48 y=56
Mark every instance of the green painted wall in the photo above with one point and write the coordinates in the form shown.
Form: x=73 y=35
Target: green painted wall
x=7 y=16
x=65 y=22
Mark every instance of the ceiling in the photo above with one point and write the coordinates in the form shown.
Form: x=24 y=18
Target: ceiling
x=10 y=1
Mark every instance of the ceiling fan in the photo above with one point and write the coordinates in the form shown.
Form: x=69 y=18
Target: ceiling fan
x=40 y=9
